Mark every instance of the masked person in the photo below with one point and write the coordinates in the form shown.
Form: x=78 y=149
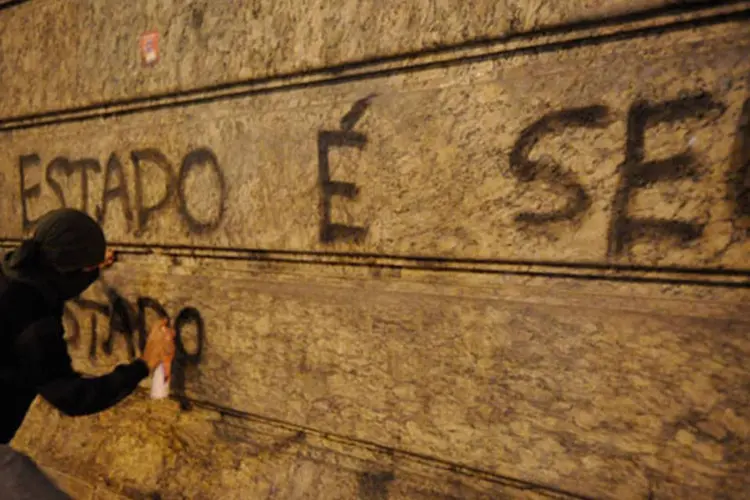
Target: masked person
x=58 y=263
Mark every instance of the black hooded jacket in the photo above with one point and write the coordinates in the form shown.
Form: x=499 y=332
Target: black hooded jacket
x=34 y=359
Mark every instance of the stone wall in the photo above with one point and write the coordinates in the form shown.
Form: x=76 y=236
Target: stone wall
x=418 y=251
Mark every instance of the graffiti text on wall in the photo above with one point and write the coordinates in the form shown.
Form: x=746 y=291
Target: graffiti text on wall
x=151 y=169
x=130 y=321
x=346 y=138
x=152 y=173
x=635 y=173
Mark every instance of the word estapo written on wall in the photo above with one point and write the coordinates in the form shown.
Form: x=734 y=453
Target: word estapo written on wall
x=118 y=318
x=148 y=166
x=203 y=211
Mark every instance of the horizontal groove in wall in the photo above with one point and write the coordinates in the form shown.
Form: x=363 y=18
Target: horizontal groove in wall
x=666 y=275
x=395 y=453
x=550 y=40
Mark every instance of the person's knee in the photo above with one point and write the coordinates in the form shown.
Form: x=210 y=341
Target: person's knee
x=22 y=479
x=10 y=459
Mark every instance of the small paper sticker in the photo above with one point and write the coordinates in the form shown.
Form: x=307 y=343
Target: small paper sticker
x=150 y=48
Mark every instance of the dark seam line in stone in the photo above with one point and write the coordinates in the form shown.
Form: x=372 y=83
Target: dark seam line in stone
x=647 y=14
x=531 y=274
x=426 y=263
x=461 y=469
x=57 y=117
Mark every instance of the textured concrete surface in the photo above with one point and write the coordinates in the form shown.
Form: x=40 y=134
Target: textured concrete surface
x=514 y=270
x=527 y=158
x=599 y=389
x=203 y=454
x=89 y=49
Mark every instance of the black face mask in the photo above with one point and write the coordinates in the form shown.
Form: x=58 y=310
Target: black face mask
x=65 y=242
x=72 y=284
x=55 y=286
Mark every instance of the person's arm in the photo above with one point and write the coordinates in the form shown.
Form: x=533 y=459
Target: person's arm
x=43 y=354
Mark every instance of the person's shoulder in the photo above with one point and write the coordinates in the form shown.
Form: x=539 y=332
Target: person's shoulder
x=42 y=341
x=26 y=295
x=23 y=306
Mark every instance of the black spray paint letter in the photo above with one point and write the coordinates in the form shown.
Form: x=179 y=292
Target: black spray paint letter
x=118 y=191
x=636 y=172
x=96 y=308
x=739 y=173
x=59 y=164
x=27 y=193
x=143 y=304
x=85 y=165
x=65 y=166
x=185 y=360
x=563 y=181
x=374 y=485
x=194 y=159
x=119 y=322
x=157 y=158
x=329 y=231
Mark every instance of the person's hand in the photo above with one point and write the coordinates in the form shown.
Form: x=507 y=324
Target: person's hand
x=109 y=259
x=160 y=347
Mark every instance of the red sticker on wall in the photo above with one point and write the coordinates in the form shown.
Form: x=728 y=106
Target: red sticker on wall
x=150 y=48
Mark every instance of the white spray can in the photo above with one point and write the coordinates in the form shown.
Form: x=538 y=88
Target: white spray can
x=159 y=383
x=160 y=378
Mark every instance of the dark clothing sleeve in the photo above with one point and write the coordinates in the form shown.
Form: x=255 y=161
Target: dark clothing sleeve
x=43 y=356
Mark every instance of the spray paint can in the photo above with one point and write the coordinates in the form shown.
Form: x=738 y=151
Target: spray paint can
x=160 y=378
